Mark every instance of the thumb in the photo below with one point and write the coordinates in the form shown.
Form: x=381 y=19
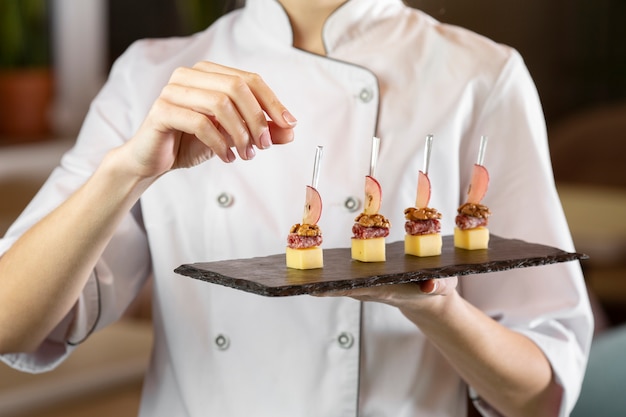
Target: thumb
x=280 y=135
x=429 y=286
x=439 y=286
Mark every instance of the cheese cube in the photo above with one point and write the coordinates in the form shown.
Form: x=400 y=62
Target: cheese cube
x=369 y=250
x=423 y=245
x=477 y=238
x=308 y=258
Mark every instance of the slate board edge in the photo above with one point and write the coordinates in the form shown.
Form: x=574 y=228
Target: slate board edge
x=291 y=290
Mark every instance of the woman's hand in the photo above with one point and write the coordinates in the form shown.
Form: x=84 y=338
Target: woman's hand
x=504 y=367
x=204 y=111
x=413 y=299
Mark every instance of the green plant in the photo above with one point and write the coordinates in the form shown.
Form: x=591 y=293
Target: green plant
x=196 y=15
x=24 y=34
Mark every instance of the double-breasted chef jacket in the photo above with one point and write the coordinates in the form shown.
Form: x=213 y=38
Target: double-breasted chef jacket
x=391 y=72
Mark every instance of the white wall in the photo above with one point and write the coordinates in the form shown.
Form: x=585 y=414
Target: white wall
x=80 y=53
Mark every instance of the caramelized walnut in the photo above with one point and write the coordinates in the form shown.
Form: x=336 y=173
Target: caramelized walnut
x=305 y=229
x=474 y=210
x=422 y=213
x=372 y=220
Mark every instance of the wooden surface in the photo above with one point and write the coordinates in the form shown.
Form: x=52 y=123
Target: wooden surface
x=597 y=222
x=110 y=363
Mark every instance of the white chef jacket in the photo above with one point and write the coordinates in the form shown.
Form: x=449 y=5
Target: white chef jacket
x=393 y=72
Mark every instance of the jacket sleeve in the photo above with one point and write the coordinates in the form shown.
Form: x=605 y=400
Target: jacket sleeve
x=125 y=264
x=548 y=304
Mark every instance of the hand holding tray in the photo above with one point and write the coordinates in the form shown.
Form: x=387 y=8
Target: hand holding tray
x=269 y=276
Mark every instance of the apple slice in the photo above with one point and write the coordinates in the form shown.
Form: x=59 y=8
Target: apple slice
x=373 y=195
x=479 y=184
x=423 y=190
x=312 y=206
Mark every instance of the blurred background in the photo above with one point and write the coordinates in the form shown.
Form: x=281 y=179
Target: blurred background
x=55 y=55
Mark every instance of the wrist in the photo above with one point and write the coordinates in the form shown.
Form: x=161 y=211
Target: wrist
x=127 y=176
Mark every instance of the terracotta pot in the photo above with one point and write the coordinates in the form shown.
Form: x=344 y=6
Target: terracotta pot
x=25 y=104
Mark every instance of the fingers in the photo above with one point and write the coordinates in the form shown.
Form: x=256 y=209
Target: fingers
x=279 y=134
x=212 y=115
x=397 y=294
x=440 y=286
x=205 y=111
x=237 y=102
x=183 y=119
x=428 y=287
x=263 y=94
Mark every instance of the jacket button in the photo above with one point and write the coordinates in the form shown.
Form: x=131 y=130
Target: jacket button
x=225 y=200
x=366 y=95
x=352 y=204
x=345 y=340
x=222 y=342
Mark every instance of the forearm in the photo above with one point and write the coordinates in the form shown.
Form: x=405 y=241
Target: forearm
x=44 y=272
x=203 y=111
x=506 y=368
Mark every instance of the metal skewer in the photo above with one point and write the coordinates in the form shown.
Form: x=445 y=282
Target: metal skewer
x=374 y=157
x=316 y=166
x=481 y=150
x=429 y=145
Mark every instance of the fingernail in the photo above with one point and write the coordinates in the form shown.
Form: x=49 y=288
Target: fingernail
x=266 y=139
x=428 y=287
x=289 y=118
x=230 y=156
x=250 y=152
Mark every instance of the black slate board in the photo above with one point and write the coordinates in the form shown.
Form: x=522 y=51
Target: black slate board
x=269 y=276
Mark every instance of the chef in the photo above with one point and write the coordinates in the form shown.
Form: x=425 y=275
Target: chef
x=198 y=149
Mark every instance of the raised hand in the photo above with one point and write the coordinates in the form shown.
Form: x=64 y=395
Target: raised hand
x=204 y=111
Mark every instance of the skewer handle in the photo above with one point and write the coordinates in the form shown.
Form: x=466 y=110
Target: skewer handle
x=374 y=157
x=429 y=145
x=316 y=166
x=481 y=150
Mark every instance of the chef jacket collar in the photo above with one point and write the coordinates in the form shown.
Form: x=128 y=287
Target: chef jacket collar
x=348 y=22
